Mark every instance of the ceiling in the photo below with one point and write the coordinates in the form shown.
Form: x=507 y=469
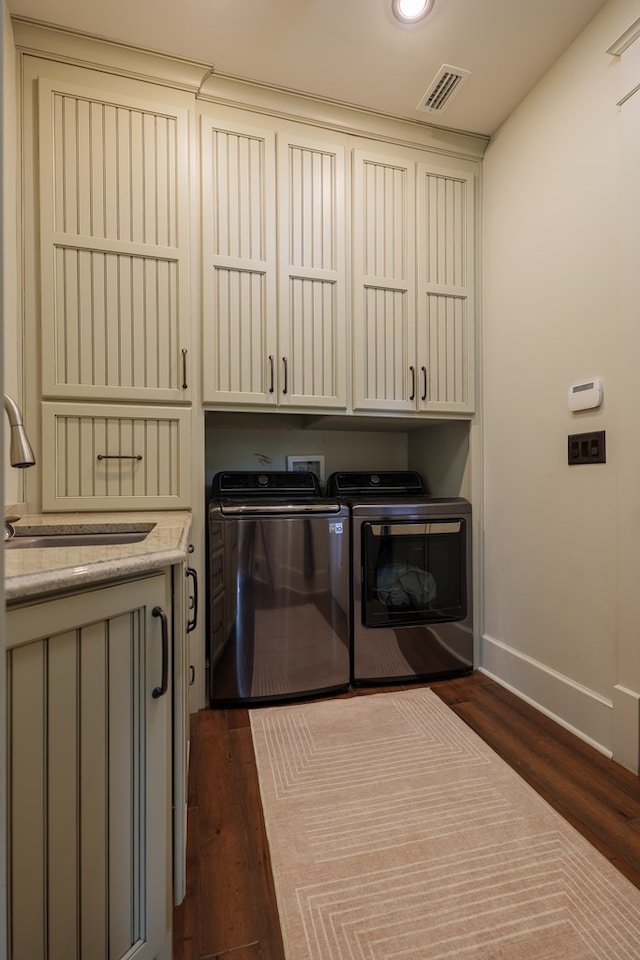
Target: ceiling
x=352 y=51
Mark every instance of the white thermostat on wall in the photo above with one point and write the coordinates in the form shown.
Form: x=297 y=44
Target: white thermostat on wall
x=585 y=395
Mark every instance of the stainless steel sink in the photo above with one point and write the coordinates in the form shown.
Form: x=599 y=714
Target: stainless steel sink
x=89 y=536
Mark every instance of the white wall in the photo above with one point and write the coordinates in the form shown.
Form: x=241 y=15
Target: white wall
x=552 y=316
x=262 y=442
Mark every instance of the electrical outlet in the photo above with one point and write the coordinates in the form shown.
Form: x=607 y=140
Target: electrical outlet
x=586 y=448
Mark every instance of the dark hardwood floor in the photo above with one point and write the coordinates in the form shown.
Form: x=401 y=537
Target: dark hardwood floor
x=229 y=912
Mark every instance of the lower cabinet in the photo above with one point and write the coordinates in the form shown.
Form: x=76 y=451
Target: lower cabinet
x=89 y=774
x=223 y=544
x=185 y=614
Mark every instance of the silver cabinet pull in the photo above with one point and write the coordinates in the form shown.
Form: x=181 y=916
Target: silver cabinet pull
x=413 y=383
x=185 y=385
x=271 y=381
x=164 y=682
x=119 y=456
x=424 y=382
x=284 y=360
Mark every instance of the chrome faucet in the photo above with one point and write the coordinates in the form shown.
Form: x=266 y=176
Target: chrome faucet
x=20 y=452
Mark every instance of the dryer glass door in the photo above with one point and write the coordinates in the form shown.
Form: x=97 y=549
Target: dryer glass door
x=414 y=572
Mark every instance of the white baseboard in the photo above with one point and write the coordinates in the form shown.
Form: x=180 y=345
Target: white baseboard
x=584 y=712
x=626 y=727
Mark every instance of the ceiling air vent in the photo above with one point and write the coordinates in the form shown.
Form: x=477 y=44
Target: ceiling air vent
x=443 y=88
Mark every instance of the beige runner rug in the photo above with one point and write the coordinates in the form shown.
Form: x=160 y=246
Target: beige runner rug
x=397 y=834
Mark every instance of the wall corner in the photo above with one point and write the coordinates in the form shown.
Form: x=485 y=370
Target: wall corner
x=626 y=727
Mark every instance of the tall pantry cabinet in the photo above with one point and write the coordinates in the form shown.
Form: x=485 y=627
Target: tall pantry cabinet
x=109 y=165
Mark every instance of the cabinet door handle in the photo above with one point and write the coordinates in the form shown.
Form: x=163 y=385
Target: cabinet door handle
x=185 y=385
x=271 y=374
x=164 y=682
x=119 y=456
x=413 y=383
x=191 y=623
x=424 y=382
x=284 y=388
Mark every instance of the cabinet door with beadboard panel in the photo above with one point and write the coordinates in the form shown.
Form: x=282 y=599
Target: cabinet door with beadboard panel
x=384 y=333
x=446 y=289
x=89 y=789
x=239 y=336
x=312 y=355
x=115 y=457
x=114 y=245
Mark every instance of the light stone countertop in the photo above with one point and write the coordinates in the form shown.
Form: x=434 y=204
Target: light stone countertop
x=31 y=573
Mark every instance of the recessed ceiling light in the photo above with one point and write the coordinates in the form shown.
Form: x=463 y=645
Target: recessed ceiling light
x=410 y=11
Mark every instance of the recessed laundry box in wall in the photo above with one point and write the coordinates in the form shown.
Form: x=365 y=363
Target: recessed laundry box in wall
x=98 y=457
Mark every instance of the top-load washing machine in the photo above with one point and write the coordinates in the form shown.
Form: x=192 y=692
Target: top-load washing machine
x=278 y=581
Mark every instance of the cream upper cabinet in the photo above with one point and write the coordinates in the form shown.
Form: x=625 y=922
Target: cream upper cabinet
x=114 y=243
x=312 y=269
x=108 y=285
x=115 y=457
x=384 y=290
x=239 y=336
x=274 y=253
x=445 y=272
x=413 y=284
